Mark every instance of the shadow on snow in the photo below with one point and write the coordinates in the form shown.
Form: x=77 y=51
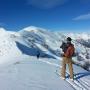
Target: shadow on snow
x=32 y=51
x=80 y=75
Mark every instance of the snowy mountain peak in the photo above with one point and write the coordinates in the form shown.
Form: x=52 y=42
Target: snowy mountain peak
x=3 y=32
x=2 y=29
x=33 y=29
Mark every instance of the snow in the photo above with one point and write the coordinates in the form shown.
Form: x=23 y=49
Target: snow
x=21 y=70
x=33 y=29
x=30 y=73
x=83 y=35
x=8 y=46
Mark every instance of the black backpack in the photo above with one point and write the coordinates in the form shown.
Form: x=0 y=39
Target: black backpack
x=64 y=47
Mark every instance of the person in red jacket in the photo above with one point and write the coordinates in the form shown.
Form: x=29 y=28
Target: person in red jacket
x=67 y=59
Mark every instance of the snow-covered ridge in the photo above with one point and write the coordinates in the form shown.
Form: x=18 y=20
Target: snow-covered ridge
x=33 y=29
x=8 y=46
x=84 y=36
x=20 y=69
x=47 y=43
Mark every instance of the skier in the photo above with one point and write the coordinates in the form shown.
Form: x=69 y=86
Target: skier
x=68 y=52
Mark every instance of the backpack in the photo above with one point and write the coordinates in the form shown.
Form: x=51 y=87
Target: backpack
x=70 y=52
x=64 y=47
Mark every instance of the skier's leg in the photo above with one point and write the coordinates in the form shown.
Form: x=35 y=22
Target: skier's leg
x=63 y=70
x=71 y=70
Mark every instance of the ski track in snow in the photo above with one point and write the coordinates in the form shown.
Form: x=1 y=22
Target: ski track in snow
x=80 y=84
x=72 y=84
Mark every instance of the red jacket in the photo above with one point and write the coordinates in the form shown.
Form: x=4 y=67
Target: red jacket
x=70 y=51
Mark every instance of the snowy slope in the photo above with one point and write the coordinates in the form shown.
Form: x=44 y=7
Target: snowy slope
x=8 y=46
x=47 y=43
x=21 y=70
x=30 y=73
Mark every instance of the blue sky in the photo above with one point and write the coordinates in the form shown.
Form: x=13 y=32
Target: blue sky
x=66 y=15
